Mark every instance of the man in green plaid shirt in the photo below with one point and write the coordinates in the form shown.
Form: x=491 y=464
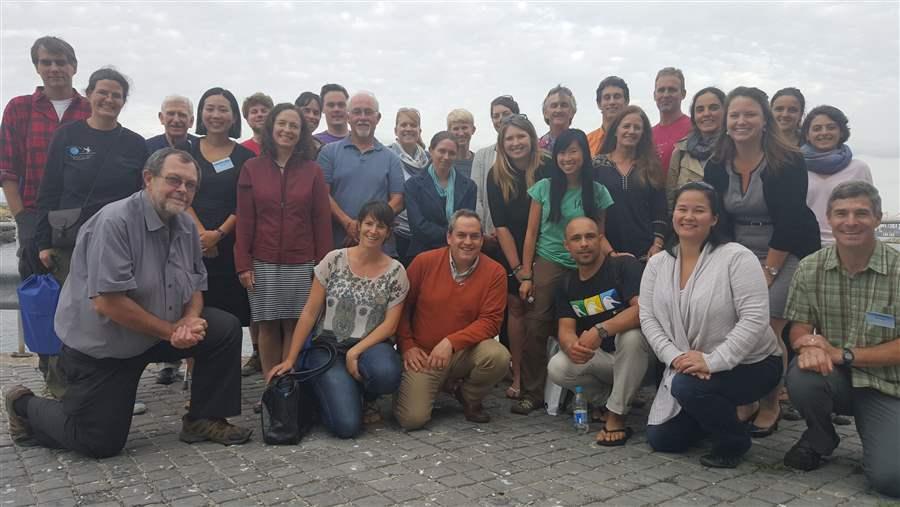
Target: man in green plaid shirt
x=844 y=303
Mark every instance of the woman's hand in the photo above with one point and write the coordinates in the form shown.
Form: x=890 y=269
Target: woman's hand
x=353 y=364
x=209 y=239
x=46 y=257
x=280 y=369
x=655 y=248
x=691 y=363
x=526 y=291
x=248 y=280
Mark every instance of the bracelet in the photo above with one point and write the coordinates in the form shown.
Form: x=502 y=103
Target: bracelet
x=221 y=233
x=517 y=269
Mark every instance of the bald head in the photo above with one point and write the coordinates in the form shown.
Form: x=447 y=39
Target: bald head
x=583 y=241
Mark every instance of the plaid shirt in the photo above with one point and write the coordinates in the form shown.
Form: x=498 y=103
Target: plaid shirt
x=29 y=122
x=824 y=295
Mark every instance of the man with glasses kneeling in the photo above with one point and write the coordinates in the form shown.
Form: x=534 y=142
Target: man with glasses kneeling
x=134 y=297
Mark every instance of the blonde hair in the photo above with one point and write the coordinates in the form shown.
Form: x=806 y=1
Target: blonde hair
x=503 y=173
x=412 y=113
x=460 y=116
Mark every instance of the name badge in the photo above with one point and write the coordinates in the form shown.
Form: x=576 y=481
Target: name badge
x=880 y=320
x=223 y=165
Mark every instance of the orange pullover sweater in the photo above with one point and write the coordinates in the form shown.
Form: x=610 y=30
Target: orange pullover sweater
x=437 y=307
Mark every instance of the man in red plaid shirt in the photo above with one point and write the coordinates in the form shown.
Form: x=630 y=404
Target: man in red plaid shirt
x=29 y=122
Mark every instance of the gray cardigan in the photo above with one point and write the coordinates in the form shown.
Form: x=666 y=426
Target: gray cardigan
x=481 y=167
x=722 y=312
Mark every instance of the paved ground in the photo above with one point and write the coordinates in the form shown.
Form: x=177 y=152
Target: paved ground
x=515 y=460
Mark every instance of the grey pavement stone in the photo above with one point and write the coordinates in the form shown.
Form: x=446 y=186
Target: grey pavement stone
x=535 y=460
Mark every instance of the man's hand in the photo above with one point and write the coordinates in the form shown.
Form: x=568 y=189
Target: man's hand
x=415 y=359
x=183 y=338
x=352 y=229
x=248 y=280
x=578 y=353
x=46 y=257
x=590 y=339
x=196 y=325
x=814 y=359
x=440 y=355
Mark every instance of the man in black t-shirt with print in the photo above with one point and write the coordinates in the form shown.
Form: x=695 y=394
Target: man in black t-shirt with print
x=602 y=347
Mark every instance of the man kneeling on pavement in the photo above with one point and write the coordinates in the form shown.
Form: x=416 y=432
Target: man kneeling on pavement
x=602 y=347
x=133 y=298
x=844 y=304
x=454 y=308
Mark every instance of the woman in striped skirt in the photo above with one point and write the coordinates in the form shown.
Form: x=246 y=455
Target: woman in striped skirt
x=283 y=229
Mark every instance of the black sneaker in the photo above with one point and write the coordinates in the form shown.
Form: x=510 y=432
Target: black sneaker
x=717 y=461
x=802 y=457
x=166 y=376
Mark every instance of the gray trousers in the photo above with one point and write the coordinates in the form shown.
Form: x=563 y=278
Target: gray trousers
x=617 y=375
x=877 y=417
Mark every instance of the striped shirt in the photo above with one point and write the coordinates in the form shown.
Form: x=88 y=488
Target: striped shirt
x=825 y=296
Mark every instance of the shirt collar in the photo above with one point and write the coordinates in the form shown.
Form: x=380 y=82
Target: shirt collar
x=40 y=96
x=346 y=142
x=461 y=277
x=877 y=262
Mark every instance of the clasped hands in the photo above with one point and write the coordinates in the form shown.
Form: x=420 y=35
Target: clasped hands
x=816 y=354
x=692 y=363
x=582 y=349
x=189 y=331
x=416 y=360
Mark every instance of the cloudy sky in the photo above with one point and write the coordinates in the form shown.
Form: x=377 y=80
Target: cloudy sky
x=437 y=57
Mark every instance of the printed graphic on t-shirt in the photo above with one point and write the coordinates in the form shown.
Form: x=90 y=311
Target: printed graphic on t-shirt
x=595 y=305
x=80 y=152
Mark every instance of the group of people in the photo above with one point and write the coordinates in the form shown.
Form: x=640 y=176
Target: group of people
x=686 y=254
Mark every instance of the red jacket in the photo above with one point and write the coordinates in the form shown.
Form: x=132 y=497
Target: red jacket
x=282 y=217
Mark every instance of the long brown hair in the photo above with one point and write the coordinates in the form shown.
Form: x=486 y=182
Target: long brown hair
x=777 y=150
x=503 y=173
x=645 y=159
x=304 y=147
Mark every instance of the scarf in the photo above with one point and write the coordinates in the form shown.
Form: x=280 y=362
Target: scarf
x=699 y=146
x=446 y=193
x=417 y=161
x=827 y=163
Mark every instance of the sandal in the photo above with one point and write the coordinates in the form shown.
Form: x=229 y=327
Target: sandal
x=513 y=393
x=626 y=431
x=371 y=413
x=599 y=414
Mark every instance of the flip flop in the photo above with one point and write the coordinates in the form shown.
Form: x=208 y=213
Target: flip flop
x=627 y=431
x=599 y=414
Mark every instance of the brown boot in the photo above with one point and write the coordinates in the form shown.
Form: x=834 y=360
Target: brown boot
x=19 y=430
x=474 y=412
x=214 y=430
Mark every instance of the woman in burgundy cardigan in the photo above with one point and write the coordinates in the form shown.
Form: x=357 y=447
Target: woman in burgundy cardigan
x=283 y=229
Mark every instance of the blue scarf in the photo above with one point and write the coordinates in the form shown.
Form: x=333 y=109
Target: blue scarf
x=827 y=163
x=446 y=193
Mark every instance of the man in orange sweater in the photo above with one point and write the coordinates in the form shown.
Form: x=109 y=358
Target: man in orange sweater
x=454 y=308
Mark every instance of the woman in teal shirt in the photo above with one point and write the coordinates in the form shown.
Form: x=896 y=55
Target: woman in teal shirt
x=569 y=193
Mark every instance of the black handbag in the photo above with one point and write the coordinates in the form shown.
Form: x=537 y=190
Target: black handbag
x=288 y=403
x=64 y=223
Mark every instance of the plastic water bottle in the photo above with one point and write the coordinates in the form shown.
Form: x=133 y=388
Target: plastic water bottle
x=580 y=412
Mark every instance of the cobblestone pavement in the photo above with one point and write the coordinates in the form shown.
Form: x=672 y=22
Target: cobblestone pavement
x=514 y=460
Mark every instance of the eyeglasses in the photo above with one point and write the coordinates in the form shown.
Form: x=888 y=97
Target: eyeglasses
x=176 y=182
x=363 y=112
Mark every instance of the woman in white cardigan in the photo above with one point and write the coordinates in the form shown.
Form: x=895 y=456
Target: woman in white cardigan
x=705 y=313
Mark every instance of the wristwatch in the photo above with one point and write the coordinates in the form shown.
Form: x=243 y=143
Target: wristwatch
x=604 y=334
x=848 y=357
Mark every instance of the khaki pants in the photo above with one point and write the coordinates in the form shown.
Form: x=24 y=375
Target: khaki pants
x=540 y=324
x=480 y=367
x=617 y=375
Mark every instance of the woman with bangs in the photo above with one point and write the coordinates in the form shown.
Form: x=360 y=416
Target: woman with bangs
x=629 y=168
x=570 y=191
x=411 y=150
x=762 y=184
x=516 y=168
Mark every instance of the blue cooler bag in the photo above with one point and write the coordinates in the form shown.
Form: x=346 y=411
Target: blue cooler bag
x=38 y=296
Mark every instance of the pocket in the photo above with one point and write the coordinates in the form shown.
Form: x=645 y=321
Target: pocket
x=876 y=330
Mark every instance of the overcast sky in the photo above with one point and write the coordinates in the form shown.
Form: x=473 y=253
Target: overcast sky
x=437 y=57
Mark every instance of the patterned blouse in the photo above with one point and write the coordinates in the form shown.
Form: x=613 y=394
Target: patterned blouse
x=356 y=305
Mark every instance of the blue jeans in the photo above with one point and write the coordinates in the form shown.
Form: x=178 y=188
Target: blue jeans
x=709 y=408
x=340 y=395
